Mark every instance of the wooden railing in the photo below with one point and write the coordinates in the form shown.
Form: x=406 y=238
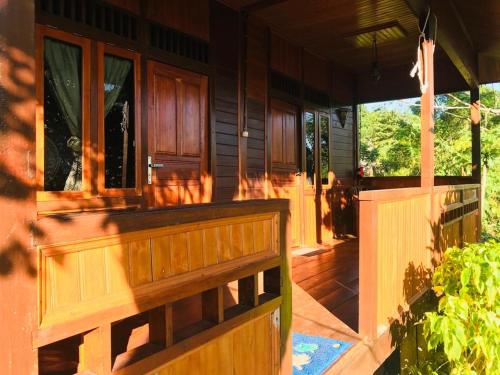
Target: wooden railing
x=459 y=219
x=136 y=292
x=401 y=233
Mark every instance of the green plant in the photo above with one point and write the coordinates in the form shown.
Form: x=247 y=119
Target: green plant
x=466 y=327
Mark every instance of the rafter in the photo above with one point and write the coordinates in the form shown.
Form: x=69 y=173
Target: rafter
x=452 y=36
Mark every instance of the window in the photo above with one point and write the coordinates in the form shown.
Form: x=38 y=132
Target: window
x=119 y=103
x=310 y=144
x=62 y=126
x=66 y=168
x=324 y=130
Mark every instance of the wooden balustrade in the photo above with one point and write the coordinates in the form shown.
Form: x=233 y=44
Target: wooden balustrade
x=460 y=219
x=401 y=230
x=151 y=291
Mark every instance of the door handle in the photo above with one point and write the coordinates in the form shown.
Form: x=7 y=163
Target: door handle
x=152 y=165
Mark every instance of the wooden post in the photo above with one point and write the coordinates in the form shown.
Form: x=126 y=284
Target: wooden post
x=18 y=264
x=248 y=291
x=160 y=326
x=95 y=351
x=427 y=117
x=368 y=269
x=213 y=305
x=475 y=116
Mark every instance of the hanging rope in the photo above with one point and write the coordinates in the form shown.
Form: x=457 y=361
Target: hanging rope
x=421 y=66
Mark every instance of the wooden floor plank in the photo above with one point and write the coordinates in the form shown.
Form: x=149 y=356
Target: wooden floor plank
x=331 y=277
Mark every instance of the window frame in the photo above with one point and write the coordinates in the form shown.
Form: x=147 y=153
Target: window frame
x=43 y=32
x=102 y=50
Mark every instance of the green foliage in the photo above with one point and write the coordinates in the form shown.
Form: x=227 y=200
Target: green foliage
x=390 y=145
x=466 y=327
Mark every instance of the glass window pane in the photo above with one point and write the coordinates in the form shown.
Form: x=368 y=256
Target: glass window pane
x=324 y=124
x=62 y=116
x=119 y=126
x=310 y=145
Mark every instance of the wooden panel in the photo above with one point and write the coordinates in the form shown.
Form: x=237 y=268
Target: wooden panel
x=256 y=79
x=403 y=256
x=396 y=252
x=191 y=121
x=188 y=16
x=471 y=227
x=139 y=262
x=285 y=57
x=316 y=72
x=309 y=218
x=83 y=276
x=165 y=114
x=451 y=235
x=284 y=135
x=277 y=136
x=326 y=216
x=229 y=353
x=290 y=138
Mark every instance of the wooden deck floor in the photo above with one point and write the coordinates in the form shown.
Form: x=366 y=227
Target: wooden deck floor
x=331 y=277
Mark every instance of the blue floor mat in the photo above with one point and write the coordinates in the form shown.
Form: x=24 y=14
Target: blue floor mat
x=313 y=354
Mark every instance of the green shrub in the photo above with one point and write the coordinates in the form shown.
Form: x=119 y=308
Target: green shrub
x=466 y=327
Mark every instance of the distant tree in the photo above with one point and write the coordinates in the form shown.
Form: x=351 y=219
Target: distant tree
x=390 y=144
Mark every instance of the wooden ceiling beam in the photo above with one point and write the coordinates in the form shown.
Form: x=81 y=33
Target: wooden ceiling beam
x=452 y=36
x=261 y=4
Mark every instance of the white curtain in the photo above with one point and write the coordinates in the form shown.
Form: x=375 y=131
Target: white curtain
x=63 y=67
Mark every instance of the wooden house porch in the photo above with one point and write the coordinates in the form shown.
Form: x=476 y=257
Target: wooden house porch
x=179 y=179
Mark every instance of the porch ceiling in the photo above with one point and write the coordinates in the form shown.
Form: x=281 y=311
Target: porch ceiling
x=481 y=21
x=331 y=28
x=340 y=30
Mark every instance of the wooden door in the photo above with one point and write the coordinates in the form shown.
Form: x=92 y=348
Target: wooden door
x=310 y=178
x=177 y=136
x=284 y=157
x=317 y=178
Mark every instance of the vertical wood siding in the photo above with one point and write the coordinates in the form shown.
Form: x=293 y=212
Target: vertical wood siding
x=342 y=149
x=224 y=30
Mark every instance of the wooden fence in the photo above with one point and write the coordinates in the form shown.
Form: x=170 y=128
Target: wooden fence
x=402 y=232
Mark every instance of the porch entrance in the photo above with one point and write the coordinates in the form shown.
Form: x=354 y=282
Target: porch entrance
x=317 y=178
x=309 y=187
x=177 y=132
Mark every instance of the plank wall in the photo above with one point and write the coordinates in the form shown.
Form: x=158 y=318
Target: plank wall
x=224 y=28
x=256 y=87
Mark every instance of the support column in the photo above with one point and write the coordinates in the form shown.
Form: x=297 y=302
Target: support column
x=427 y=118
x=18 y=262
x=475 y=116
